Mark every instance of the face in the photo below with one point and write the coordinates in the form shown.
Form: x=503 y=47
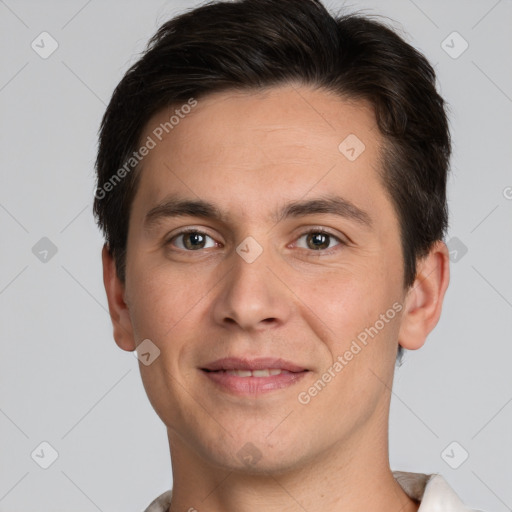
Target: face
x=255 y=236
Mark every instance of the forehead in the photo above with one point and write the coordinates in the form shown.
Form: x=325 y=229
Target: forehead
x=296 y=116
x=288 y=140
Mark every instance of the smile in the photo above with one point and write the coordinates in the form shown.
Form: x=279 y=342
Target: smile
x=252 y=383
x=256 y=373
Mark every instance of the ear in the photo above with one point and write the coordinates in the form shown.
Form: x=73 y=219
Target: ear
x=119 y=312
x=424 y=299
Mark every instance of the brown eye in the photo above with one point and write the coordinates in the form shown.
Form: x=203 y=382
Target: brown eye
x=193 y=241
x=318 y=241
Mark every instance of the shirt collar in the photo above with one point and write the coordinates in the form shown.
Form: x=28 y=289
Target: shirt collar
x=432 y=491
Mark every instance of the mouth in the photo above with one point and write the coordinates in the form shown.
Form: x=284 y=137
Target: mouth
x=253 y=376
x=252 y=365
x=266 y=372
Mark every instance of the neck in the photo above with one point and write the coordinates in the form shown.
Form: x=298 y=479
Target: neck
x=355 y=476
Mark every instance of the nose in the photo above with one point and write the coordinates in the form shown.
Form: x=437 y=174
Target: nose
x=251 y=297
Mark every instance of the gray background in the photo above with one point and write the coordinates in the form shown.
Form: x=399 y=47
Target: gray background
x=62 y=378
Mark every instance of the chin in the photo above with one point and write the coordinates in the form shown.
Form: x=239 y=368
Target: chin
x=256 y=454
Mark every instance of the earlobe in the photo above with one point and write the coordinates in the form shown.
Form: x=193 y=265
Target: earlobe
x=424 y=300
x=119 y=312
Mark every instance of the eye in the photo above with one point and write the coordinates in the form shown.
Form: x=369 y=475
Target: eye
x=192 y=241
x=318 y=240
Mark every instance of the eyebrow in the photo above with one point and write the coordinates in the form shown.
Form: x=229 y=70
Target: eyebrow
x=330 y=205
x=173 y=207
x=334 y=205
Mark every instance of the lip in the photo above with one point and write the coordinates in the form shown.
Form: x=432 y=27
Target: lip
x=260 y=363
x=216 y=373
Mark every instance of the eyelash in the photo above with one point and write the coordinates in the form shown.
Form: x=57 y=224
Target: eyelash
x=306 y=233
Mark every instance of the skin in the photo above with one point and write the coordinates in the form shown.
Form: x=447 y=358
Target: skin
x=250 y=154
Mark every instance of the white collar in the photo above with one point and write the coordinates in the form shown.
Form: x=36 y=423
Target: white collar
x=432 y=491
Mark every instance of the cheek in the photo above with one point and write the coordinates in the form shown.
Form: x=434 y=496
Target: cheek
x=343 y=299
x=344 y=310
x=167 y=312
x=159 y=301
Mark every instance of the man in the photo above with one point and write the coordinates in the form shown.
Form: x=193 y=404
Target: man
x=272 y=189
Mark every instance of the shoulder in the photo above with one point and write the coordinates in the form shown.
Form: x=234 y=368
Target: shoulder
x=160 y=504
